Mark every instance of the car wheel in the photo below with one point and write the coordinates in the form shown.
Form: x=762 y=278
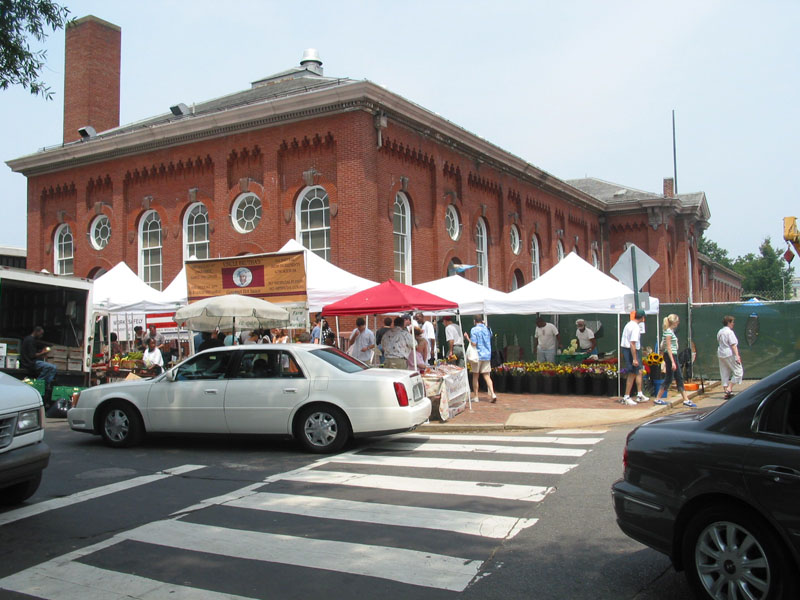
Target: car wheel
x=20 y=492
x=729 y=553
x=322 y=429
x=121 y=425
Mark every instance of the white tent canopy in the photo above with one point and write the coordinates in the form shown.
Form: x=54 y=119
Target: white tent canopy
x=471 y=297
x=325 y=283
x=120 y=290
x=572 y=286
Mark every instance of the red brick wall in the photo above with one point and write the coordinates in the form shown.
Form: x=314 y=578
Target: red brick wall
x=91 y=76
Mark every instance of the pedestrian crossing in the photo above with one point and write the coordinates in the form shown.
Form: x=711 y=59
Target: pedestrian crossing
x=409 y=516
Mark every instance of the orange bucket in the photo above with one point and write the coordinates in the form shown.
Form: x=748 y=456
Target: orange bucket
x=691 y=387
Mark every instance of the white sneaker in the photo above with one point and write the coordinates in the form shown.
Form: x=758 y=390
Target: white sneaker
x=628 y=401
x=642 y=398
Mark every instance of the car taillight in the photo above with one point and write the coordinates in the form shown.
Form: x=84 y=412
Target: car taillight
x=402 y=395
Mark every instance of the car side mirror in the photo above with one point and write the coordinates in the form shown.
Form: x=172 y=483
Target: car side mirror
x=170 y=375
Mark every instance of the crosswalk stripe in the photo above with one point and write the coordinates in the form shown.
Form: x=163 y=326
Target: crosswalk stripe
x=423 y=446
x=457 y=521
x=395 y=564
x=78 y=581
x=576 y=431
x=577 y=441
x=459 y=464
x=41 y=507
x=502 y=491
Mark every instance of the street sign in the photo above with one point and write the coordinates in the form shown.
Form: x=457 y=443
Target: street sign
x=623 y=269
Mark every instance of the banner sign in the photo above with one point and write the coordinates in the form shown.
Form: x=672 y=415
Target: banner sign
x=276 y=278
x=123 y=323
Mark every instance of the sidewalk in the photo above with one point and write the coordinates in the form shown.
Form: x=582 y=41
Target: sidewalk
x=538 y=411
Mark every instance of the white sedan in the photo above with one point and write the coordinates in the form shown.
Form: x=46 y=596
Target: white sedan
x=316 y=394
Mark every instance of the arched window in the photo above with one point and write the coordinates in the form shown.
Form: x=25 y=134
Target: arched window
x=402 y=239
x=595 y=259
x=246 y=212
x=535 y=257
x=195 y=232
x=314 y=221
x=64 y=251
x=517 y=281
x=559 y=251
x=481 y=249
x=150 y=249
x=514 y=239
x=100 y=232
x=452 y=222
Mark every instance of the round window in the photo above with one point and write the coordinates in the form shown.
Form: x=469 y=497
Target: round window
x=514 y=235
x=101 y=232
x=246 y=212
x=452 y=222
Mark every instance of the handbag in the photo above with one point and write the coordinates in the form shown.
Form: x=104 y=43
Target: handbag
x=472 y=353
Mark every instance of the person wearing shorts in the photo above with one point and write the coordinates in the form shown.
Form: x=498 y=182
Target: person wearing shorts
x=631 y=356
x=481 y=338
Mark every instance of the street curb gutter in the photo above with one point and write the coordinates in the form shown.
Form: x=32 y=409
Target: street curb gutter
x=489 y=427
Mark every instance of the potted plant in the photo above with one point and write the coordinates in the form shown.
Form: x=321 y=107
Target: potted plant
x=533 y=377
x=613 y=380
x=580 y=377
x=548 y=378
x=653 y=362
x=516 y=377
x=498 y=376
x=564 y=379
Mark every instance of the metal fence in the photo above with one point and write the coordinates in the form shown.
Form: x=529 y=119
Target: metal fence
x=768 y=333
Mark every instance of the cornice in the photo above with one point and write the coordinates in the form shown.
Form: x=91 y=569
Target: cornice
x=362 y=95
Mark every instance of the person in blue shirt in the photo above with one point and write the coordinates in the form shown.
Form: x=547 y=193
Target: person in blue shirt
x=481 y=337
x=316 y=332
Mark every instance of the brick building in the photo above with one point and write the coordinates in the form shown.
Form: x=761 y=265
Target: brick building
x=365 y=178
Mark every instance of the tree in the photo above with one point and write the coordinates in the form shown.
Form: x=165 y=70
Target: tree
x=766 y=275
x=714 y=252
x=19 y=21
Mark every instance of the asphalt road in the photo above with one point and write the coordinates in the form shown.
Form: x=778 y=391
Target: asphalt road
x=113 y=520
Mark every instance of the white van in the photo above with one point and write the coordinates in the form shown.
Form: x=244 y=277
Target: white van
x=23 y=453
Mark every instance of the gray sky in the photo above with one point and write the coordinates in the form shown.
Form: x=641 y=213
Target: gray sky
x=577 y=88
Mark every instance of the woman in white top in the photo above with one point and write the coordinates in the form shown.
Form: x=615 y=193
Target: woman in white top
x=671 y=367
x=730 y=362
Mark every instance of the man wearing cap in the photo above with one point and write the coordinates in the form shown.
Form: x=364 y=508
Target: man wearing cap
x=586 y=341
x=632 y=360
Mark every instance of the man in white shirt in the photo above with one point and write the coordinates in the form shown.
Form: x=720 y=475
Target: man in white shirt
x=429 y=334
x=586 y=341
x=454 y=340
x=362 y=342
x=546 y=341
x=631 y=358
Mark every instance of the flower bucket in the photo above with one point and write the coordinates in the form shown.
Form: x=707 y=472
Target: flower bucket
x=581 y=384
x=515 y=383
x=612 y=383
x=565 y=385
x=499 y=381
x=548 y=385
x=598 y=385
x=534 y=383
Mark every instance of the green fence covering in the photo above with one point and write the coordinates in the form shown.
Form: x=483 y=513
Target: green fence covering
x=768 y=333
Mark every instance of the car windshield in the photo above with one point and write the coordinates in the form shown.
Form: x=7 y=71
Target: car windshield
x=339 y=359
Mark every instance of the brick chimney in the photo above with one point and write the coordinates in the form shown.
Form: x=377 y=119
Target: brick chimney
x=91 y=76
x=669 y=187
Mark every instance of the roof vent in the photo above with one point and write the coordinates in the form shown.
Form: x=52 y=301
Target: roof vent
x=311 y=61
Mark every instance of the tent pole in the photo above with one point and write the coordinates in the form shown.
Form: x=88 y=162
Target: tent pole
x=461 y=331
x=337 y=332
x=619 y=359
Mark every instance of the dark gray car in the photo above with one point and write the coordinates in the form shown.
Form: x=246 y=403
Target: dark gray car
x=718 y=491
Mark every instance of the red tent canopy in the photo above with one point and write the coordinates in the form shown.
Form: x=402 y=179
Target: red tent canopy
x=388 y=297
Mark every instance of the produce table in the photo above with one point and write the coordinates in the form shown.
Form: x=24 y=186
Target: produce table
x=571 y=358
x=447 y=386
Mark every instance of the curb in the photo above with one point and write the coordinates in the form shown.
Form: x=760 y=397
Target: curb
x=437 y=427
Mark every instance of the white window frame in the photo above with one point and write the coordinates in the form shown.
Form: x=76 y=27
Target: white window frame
x=306 y=205
x=514 y=239
x=63 y=251
x=100 y=222
x=401 y=238
x=452 y=222
x=250 y=199
x=559 y=250
x=482 y=252
x=151 y=251
x=191 y=245
x=536 y=263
